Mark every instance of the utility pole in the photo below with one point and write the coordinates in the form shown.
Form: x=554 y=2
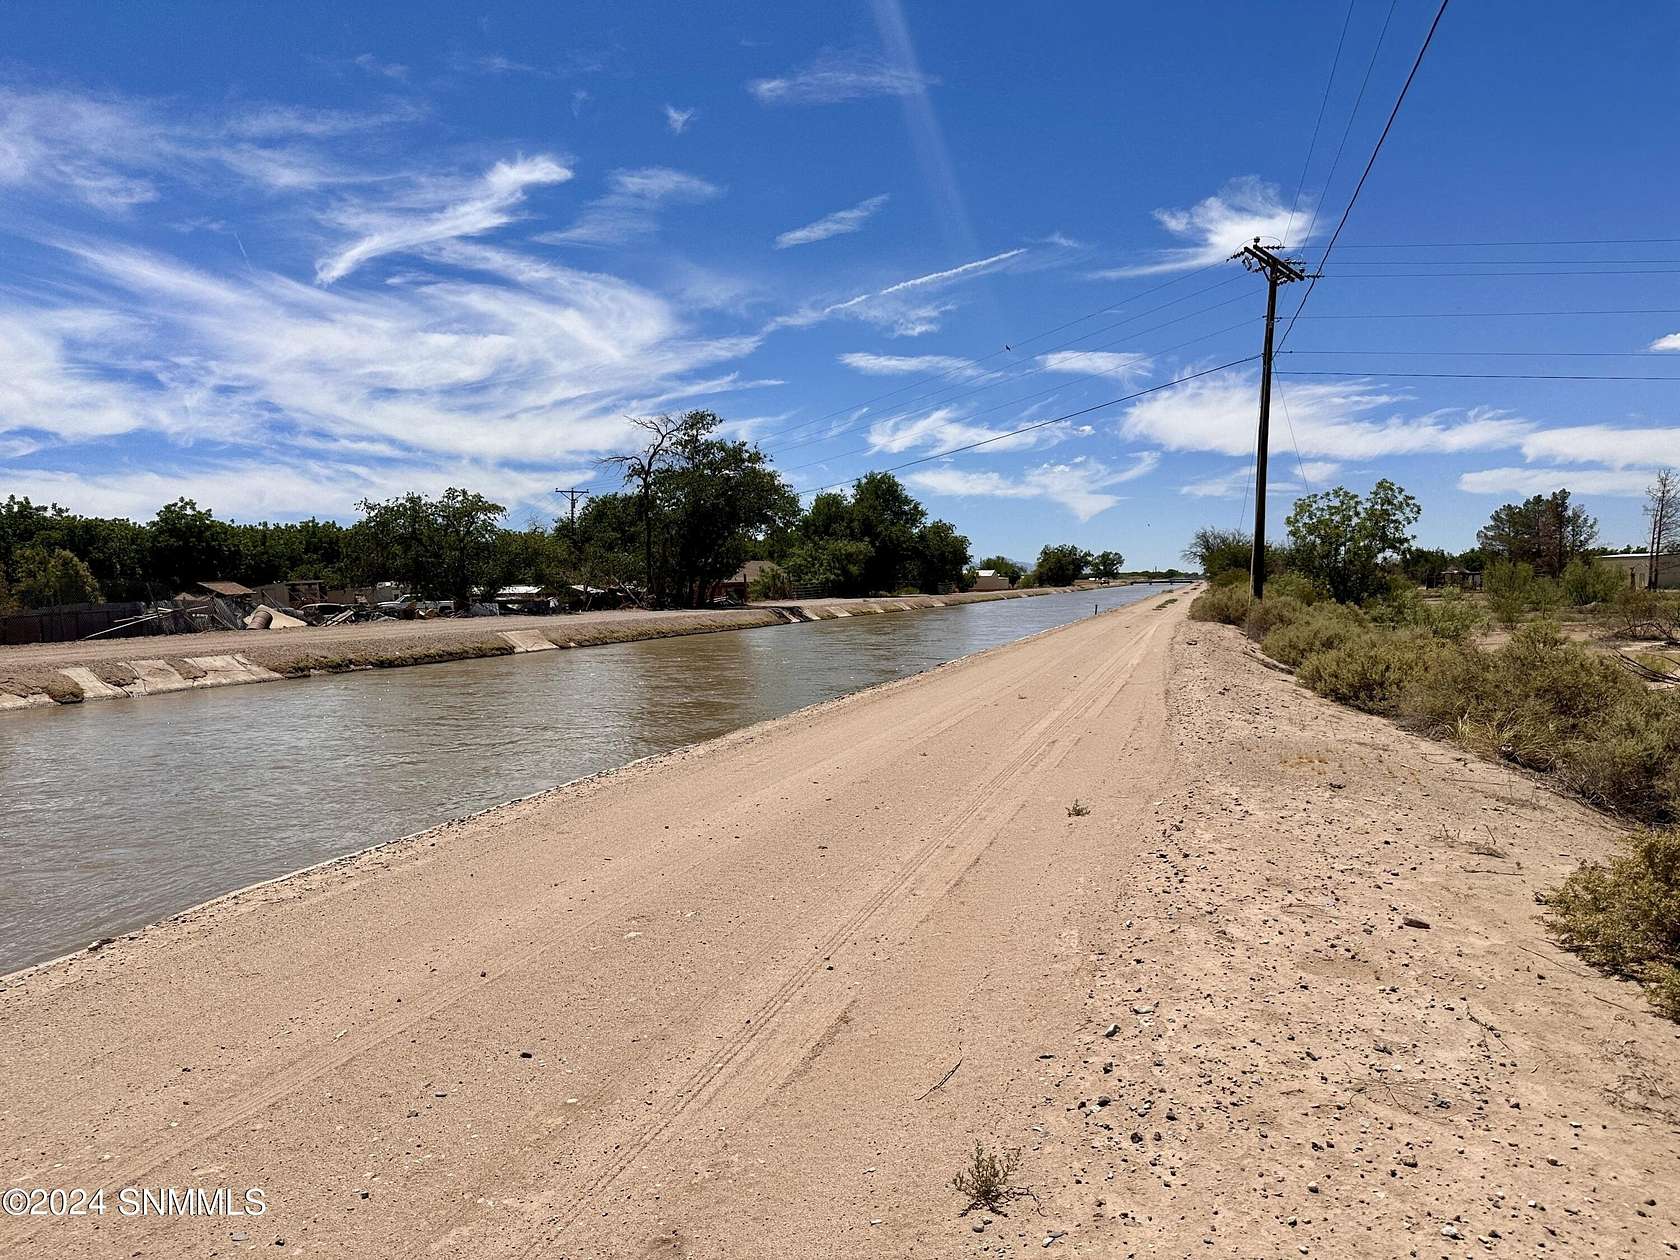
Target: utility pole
x=572 y=496
x=1278 y=271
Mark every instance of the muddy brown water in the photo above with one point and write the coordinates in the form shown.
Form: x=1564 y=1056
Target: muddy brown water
x=117 y=813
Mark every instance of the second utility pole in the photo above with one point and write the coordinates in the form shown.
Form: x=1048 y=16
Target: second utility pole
x=1257 y=257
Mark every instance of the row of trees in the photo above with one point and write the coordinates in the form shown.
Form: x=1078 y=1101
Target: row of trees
x=693 y=507
x=1350 y=546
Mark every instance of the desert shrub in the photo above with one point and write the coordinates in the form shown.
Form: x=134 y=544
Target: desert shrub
x=985 y=1180
x=1271 y=613
x=1293 y=585
x=1230 y=577
x=1226 y=604
x=1369 y=669
x=1624 y=915
x=1318 y=629
x=1587 y=582
x=1643 y=615
x=1451 y=616
x=1515 y=589
x=1629 y=758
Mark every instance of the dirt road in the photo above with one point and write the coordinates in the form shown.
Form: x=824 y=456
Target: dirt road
x=760 y=998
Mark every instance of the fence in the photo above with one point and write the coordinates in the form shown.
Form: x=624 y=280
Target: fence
x=65 y=622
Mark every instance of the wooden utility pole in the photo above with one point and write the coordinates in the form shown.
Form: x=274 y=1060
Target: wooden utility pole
x=572 y=496
x=1278 y=271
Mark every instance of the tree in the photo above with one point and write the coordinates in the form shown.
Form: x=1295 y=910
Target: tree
x=941 y=556
x=1011 y=569
x=441 y=548
x=1060 y=564
x=186 y=545
x=1107 y=564
x=1343 y=543
x=1662 y=506
x=1216 y=551
x=1545 y=531
x=47 y=579
x=888 y=518
x=639 y=469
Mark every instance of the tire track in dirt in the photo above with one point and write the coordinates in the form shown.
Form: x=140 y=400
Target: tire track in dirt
x=1030 y=753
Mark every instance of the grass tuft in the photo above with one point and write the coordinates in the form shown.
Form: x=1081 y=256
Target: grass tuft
x=985 y=1181
x=1079 y=809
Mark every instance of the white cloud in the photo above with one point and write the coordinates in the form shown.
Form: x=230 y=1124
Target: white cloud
x=1670 y=342
x=904 y=309
x=1125 y=367
x=910 y=364
x=1525 y=481
x=385 y=69
x=837 y=77
x=837 y=224
x=488 y=203
x=1218 y=413
x=945 y=427
x=1215 y=227
x=1240 y=481
x=678 y=119
x=630 y=209
x=1080 y=485
x=1605 y=444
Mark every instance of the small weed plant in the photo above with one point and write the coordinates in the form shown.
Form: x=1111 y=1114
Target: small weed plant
x=985 y=1181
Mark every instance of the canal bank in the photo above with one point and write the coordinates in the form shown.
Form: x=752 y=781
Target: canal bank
x=761 y=997
x=40 y=675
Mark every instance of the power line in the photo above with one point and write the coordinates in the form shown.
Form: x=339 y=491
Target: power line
x=1028 y=428
x=1050 y=332
x=1615 y=240
x=1489 y=376
x=1312 y=145
x=927 y=400
x=1435 y=275
x=1370 y=162
x=1643 y=310
x=1358 y=100
x=1518 y=354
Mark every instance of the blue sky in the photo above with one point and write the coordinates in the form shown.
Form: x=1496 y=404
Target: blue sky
x=282 y=258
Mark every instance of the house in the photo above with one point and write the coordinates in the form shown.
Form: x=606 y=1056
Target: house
x=990 y=580
x=736 y=587
x=1634 y=567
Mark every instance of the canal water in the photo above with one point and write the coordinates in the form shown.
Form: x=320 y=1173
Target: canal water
x=116 y=813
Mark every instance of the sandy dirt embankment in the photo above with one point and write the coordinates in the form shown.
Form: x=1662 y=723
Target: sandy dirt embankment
x=38 y=674
x=759 y=998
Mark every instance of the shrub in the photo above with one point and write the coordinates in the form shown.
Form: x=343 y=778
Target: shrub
x=1231 y=577
x=1624 y=915
x=1513 y=589
x=1629 y=758
x=1644 y=615
x=772 y=582
x=1318 y=629
x=985 y=1181
x=1270 y=614
x=1587 y=582
x=1370 y=669
x=1226 y=604
x=1450 y=617
x=1293 y=585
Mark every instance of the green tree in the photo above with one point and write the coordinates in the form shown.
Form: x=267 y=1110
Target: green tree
x=1545 y=531
x=1107 y=564
x=443 y=548
x=639 y=469
x=1219 y=551
x=1011 y=569
x=941 y=556
x=1344 y=543
x=888 y=518
x=1585 y=581
x=186 y=545
x=47 y=579
x=1060 y=564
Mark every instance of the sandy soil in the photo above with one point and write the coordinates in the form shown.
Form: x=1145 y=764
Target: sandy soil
x=758 y=999
x=33 y=670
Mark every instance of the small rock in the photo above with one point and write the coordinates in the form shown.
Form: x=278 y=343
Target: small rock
x=1312 y=1187
x=1450 y=1231
x=1113 y=1030
x=1412 y=921
x=525 y=1054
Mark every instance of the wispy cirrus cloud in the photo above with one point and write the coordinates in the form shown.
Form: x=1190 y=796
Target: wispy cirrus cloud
x=1083 y=486
x=1117 y=364
x=1340 y=421
x=482 y=206
x=1240 y=481
x=840 y=223
x=1670 y=342
x=1616 y=446
x=370 y=64
x=911 y=364
x=678 y=120
x=630 y=208
x=908 y=308
x=1609 y=481
x=840 y=76
x=947 y=427
x=1214 y=228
